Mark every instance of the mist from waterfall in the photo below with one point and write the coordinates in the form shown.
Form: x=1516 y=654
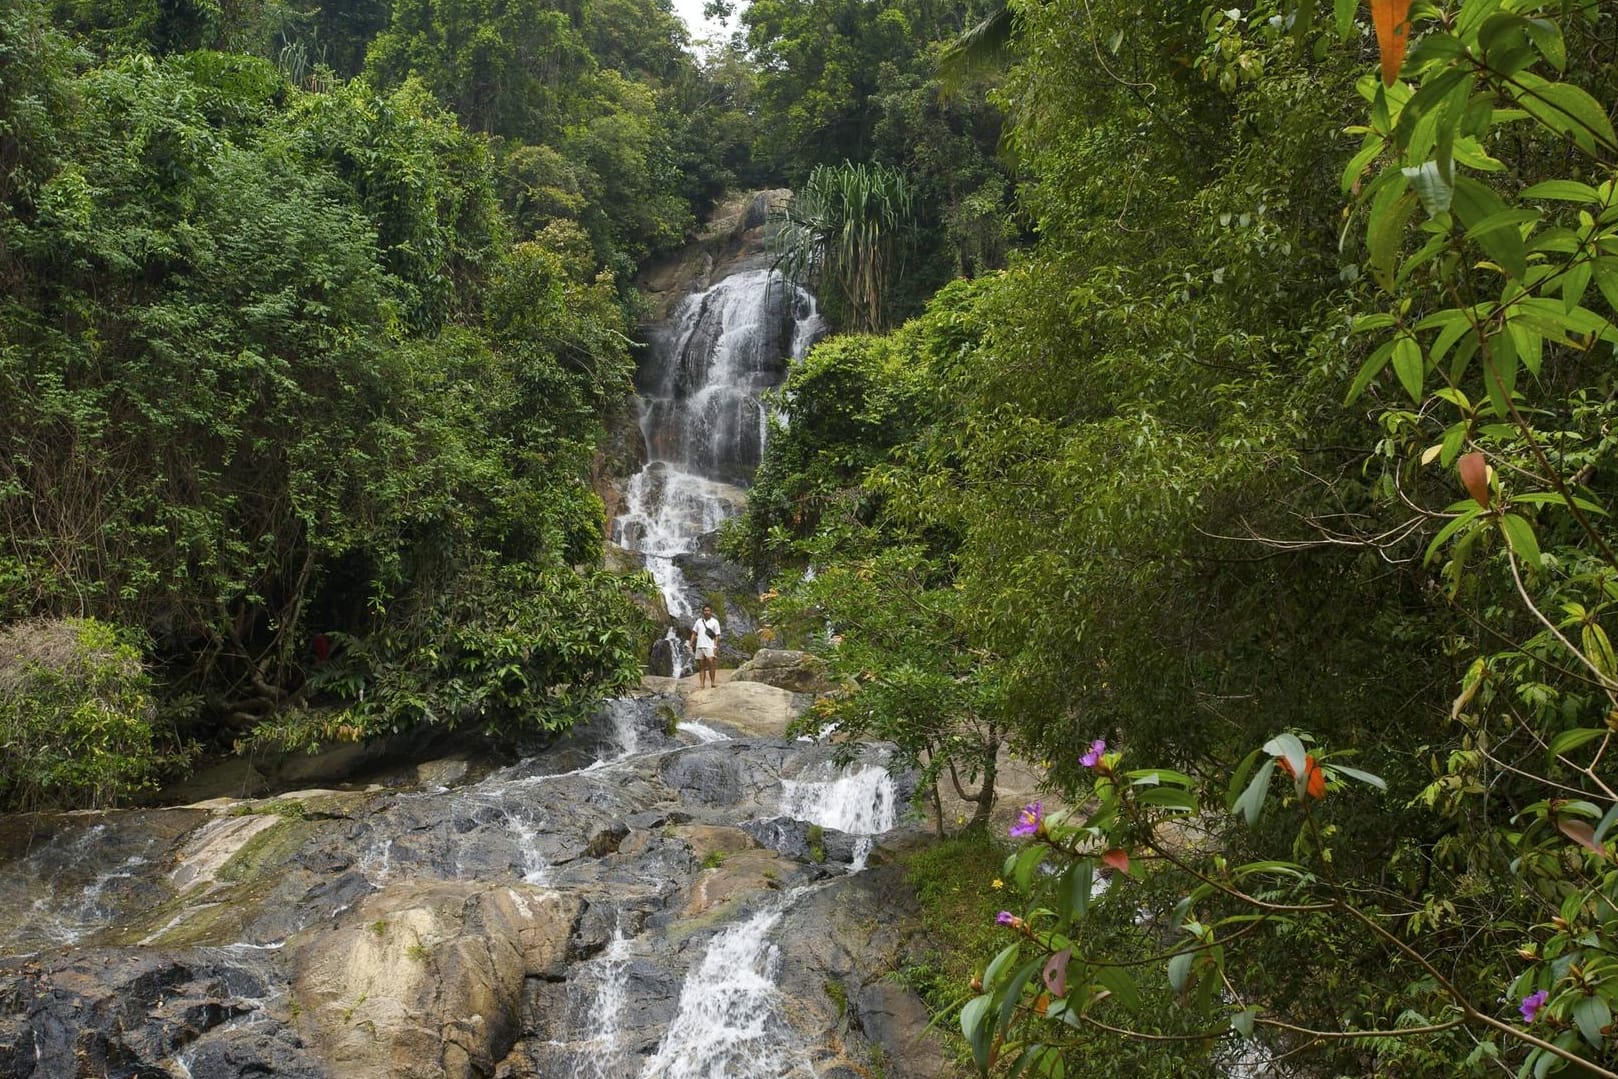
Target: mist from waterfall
x=703 y=416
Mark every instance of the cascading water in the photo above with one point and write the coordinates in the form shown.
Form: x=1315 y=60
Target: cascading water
x=730 y=1024
x=860 y=801
x=703 y=417
x=602 y=1054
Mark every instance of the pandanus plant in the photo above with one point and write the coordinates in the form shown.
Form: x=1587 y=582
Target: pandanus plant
x=839 y=237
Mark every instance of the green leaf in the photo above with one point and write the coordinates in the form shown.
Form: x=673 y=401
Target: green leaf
x=1520 y=538
x=1369 y=370
x=1547 y=38
x=1607 y=821
x=1343 y=11
x=1242 y=1022
x=1368 y=778
x=1590 y=1015
x=1180 y=970
x=1575 y=283
x=1475 y=205
x=1567 y=110
x=1238 y=778
x=1598 y=649
x=1374 y=145
x=1606 y=274
x=1123 y=988
x=1570 y=740
x=1168 y=798
x=1390 y=212
x=1466 y=517
x=1528 y=345
x=1562 y=190
x=1500 y=374
x=1013 y=995
x=1552 y=498
x=1409 y=365
x=997 y=965
x=1452 y=332
x=1079 y=883
x=1022 y=873
x=1151 y=777
x=1251 y=802
x=975 y=1028
x=1290 y=869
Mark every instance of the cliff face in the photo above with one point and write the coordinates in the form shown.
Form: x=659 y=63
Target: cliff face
x=732 y=239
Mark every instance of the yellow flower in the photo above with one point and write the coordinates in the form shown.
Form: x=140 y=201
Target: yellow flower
x=997 y=883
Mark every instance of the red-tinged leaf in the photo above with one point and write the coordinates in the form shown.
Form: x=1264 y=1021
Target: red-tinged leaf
x=1317 y=780
x=1474 y=470
x=1055 y=974
x=1118 y=859
x=1581 y=833
x=1392 y=19
x=1315 y=787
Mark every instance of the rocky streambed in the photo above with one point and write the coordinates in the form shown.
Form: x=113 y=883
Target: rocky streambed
x=657 y=896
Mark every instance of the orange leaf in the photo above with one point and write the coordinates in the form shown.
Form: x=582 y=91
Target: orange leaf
x=1474 y=472
x=1316 y=786
x=1118 y=859
x=1392 y=19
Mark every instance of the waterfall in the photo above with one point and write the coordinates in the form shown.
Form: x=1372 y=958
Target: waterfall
x=730 y=1023
x=860 y=801
x=703 y=416
x=703 y=733
x=605 y=1058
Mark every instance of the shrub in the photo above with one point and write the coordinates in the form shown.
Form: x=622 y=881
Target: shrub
x=76 y=717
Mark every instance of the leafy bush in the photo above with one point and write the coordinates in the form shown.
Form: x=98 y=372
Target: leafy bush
x=77 y=718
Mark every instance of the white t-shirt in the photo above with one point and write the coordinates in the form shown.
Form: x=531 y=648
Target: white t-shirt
x=707 y=631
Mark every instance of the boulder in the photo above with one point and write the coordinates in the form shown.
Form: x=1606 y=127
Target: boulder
x=750 y=707
x=797 y=672
x=426 y=979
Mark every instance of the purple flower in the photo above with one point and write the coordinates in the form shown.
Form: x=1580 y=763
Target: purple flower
x=1005 y=917
x=1532 y=1003
x=1093 y=758
x=1028 y=820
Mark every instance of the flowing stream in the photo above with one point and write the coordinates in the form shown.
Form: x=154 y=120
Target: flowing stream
x=703 y=416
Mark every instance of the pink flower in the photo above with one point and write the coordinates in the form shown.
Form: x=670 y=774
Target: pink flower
x=1532 y=1003
x=1093 y=758
x=1028 y=820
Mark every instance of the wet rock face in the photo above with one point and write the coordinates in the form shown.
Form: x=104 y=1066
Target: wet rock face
x=592 y=911
x=128 y=1013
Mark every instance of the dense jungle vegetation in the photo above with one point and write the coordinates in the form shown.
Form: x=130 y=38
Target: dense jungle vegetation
x=1228 y=426
x=311 y=318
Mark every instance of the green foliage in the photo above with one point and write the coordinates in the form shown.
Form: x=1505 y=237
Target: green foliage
x=839 y=235
x=278 y=377
x=78 y=718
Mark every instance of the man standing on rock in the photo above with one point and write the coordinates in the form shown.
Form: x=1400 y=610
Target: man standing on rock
x=705 y=643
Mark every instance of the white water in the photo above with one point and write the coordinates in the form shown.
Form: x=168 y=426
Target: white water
x=730 y=1023
x=859 y=801
x=704 y=419
x=676 y=653
x=603 y=1055
x=702 y=732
